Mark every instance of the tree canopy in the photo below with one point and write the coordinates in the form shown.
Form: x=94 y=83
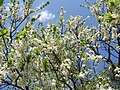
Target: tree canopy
x=63 y=56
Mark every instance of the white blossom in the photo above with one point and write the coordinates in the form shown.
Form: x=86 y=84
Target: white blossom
x=53 y=82
x=81 y=75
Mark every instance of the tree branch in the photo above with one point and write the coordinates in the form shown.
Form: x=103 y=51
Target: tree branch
x=9 y=83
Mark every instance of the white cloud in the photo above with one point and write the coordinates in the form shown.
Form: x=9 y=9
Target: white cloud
x=45 y=15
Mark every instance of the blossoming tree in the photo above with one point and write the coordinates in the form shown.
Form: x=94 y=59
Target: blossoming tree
x=59 y=57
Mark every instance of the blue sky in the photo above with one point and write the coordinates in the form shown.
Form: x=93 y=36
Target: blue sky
x=50 y=13
x=72 y=7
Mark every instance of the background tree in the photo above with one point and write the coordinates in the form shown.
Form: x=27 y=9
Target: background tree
x=60 y=57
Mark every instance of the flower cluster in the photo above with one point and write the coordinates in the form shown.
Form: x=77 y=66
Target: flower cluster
x=73 y=22
x=65 y=66
x=117 y=72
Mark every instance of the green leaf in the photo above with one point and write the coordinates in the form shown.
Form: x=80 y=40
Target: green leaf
x=12 y=1
x=33 y=19
x=82 y=54
x=113 y=3
x=28 y=58
x=37 y=88
x=9 y=62
x=37 y=52
x=38 y=16
x=108 y=17
x=45 y=64
x=1 y=2
x=3 y=32
x=48 y=2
